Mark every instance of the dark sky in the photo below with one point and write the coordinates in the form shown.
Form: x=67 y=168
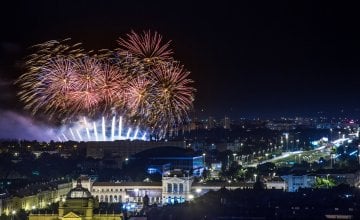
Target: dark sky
x=248 y=59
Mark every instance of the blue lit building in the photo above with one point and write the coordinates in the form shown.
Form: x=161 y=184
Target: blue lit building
x=164 y=159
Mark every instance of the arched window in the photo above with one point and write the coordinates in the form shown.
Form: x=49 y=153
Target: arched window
x=175 y=187
x=181 y=188
x=101 y=198
x=106 y=199
x=115 y=198
x=111 y=198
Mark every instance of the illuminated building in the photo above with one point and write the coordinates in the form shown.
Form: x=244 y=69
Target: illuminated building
x=175 y=187
x=36 y=197
x=177 y=158
x=79 y=205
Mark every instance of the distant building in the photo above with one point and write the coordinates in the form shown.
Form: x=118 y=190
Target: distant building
x=178 y=158
x=210 y=123
x=305 y=180
x=351 y=178
x=235 y=146
x=226 y=123
x=215 y=170
x=118 y=151
x=158 y=168
x=283 y=125
x=276 y=183
x=294 y=182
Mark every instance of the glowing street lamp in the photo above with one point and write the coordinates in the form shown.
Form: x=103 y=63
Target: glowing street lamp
x=12 y=214
x=204 y=154
x=191 y=197
x=255 y=175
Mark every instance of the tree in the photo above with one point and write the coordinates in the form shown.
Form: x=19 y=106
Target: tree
x=324 y=182
x=266 y=168
x=259 y=185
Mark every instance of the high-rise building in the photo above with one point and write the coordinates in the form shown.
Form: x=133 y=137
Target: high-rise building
x=227 y=123
x=210 y=123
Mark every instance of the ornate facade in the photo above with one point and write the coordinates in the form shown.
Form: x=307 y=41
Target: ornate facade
x=79 y=205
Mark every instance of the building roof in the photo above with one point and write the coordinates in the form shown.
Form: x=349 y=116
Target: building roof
x=166 y=152
x=223 y=184
x=78 y=192
x=127 y=184
x=32 y=189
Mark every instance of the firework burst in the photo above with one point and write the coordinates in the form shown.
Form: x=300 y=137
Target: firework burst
x=140 y=78
x=173 y=91
x=147 y=46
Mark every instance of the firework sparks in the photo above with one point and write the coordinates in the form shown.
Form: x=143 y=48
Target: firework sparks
x=141 y=78
x=173 y=91
x=147 y=46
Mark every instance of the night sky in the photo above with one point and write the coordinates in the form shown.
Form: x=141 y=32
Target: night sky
x=261 y=59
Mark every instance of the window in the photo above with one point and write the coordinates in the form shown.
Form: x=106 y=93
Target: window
x=181 y=187
x=175 y=187
x=169 y=187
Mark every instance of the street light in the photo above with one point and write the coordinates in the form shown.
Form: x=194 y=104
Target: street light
x=331 y=130
x=255 y=177
x=191 y=197
x=228 y=162
x=327 y=180
x=12 y=214
x=204 y=154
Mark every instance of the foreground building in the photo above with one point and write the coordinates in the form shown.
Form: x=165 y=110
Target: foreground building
x=36 y=196
x=176 y=187
x=79 y=205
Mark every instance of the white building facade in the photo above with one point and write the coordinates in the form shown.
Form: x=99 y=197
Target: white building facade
x=172 y=189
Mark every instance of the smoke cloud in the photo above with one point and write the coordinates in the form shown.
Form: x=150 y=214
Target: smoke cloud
x=16 y=126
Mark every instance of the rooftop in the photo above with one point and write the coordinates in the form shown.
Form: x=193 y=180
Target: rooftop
x=127 y=184
x=166 y=152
